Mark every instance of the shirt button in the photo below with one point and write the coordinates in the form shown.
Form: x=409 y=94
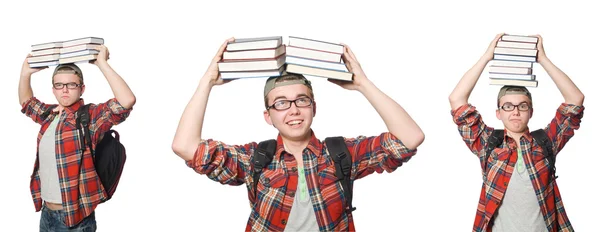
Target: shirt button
x=294 y=169
x=505 y=184
x=292 y=193
x=283 y=221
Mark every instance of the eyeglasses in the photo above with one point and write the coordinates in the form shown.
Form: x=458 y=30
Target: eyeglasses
x=521 y=107
x=286 y=104
x=70 y=85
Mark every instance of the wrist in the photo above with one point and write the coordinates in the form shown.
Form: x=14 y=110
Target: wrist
x=365 y=86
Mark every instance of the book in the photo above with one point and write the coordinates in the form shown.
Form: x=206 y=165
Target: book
x=520 y=38
x=514 y=58
x=516 y=51
x=42 y=46
x=510 y=63
x=512 y=76
x=78 y=53
x=526 y=83
x=319 y=72
x=45 y=58
x=313 y=54
x=85 y=40
x=254 y=54
x=43 y=64
x=80 y=47
x=251 y=65
x=510 y=70
x=315 y=45
x=254 y=43
x=252 y=74
x=48 y=51
x=508 y=44
x=77 y=59
x=316 y=63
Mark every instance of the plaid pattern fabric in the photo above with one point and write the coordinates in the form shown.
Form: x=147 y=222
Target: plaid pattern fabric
x=230 y=164
x=81 y=190
x=501 y=163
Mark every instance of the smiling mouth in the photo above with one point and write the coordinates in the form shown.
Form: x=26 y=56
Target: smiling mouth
x=294 y=122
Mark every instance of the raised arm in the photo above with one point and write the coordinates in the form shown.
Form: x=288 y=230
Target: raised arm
x=25 y=91
x=462 y=91
x=120 y=89
x=189 y=131
x=397 y=120
x=567 y=88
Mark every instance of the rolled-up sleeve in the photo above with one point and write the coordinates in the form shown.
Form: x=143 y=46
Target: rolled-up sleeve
x=34 y=109
x=226 y=164
x=471 y=128
x=105 y=115
x=562 y=127
x=377 y=154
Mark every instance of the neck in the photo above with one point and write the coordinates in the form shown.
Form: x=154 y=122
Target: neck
x=516 y=136
x=296 y=147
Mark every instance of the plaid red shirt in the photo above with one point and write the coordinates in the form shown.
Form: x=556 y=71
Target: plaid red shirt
x=501 y=163
x=81 y=190
x=230 y=164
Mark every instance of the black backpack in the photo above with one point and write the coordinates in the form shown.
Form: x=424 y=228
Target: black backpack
x=109 y=156
x=539 y=136
x=263 y=155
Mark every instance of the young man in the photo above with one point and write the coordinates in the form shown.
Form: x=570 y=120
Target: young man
x=299 y=191
x=517 y=194
x=64 y=183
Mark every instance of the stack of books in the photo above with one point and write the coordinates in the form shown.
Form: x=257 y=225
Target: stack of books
x=513 y=60
x=316 y=58
x=253 y=57
x=64 y=52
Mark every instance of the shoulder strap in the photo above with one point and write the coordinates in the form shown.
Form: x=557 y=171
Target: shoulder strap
x=343 y=164
x=83 y=120
x=495 y=140
x=542 y=139
x=44 y=115
x=263 y=155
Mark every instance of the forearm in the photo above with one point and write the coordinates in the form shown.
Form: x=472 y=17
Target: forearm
x=25 y=91
x=567 y=88
x=462 y=91
x=120 y=89
x=189 y=130
x=397 y=120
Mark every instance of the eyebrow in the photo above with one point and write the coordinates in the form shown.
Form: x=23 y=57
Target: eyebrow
x=517 y=103
x=283 y=97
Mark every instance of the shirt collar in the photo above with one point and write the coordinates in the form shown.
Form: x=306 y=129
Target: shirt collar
x=314 y=145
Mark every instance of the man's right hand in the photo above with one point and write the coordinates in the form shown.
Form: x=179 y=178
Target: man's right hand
x=212 y=73
x=26 y=70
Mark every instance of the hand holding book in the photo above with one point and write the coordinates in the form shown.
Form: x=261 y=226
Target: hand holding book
x=489 y=53
x=212 y=74
x=354 y=67
x=103 y=55
x=541 y=55
x=26 y=70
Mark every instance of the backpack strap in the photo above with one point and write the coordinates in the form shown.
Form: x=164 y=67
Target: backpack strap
x=542 y=139
x=44 y=115
x=495 y=140
x=263 y=155
x=343 y=165
x=83 y=120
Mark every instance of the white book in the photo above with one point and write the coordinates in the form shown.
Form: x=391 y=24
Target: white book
x=519 y=38
x=316 y=45
x=508 y=44
x=80 y=47
x=252 y=74
x=77 y=59
x=48 y=51
x=514 y=58
x=313 y=54
x=43 y=64
x=515 y=51
x=510 y=63
x=86 y=40
x=78 y=53
x=254 y=54
x=526 y=83
x=45 y=58
x=254 y=43
x=42 y=46
x=251 y=65
x=526 y=77
x=312 y=71
x=316 y=63
x=510 y=70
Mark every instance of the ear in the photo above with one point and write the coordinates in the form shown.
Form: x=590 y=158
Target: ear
x=314 y=108
x=267 y=117
x=530 y=113
x=82 y=90
x=498 y=115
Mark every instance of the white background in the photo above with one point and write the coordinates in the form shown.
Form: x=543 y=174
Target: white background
x=414 y=52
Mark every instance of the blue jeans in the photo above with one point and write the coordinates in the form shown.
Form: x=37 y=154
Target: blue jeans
x=53 y=221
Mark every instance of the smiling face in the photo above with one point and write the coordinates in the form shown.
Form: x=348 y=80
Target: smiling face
x=294 y=122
